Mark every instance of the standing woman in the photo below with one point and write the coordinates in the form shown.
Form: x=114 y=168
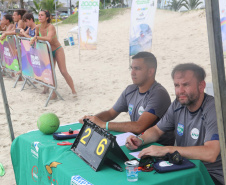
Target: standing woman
x=7 y=22
x=47 y=32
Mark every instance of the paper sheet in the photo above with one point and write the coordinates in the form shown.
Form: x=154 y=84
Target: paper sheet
x=135 y=154
x=121 y=138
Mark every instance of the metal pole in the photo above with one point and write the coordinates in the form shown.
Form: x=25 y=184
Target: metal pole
x=218 y=72
x=6 y=105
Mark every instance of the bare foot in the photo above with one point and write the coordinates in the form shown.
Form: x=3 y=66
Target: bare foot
x=45 y=91
x=20 y=79
x=54 y=96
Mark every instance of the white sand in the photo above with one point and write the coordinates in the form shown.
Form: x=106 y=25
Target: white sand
x=101 y=75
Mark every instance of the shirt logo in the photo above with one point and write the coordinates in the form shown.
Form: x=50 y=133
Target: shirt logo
x=130 y=109
x=195 y=133
x=180 y=129
x=140 y=110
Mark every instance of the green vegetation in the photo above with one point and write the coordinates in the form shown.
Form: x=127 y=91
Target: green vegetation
x=104 y=14
x=45 y=5
x=192 y=4
x=176 y=5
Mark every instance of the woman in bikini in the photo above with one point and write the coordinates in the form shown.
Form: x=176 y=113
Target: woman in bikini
x=47 y=32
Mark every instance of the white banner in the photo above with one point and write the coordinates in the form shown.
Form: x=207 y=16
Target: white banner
x=88 y=23
x=142 y=20
x=222 y=7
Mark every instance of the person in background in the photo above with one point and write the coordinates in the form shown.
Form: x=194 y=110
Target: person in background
x=18 y=24
x=28 y=18
x=7 y=23
x=47 y=32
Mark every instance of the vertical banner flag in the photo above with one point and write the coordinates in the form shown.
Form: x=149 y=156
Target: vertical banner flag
x=141 y=26
x=88 y=23
x=35 y=62
x=222 y=8
x=8 y=53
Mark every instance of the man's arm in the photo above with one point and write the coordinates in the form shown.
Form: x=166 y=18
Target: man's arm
x=208 y=152
x=107 y=115
x=151 y=135
x=136 y=127
x=102 y=116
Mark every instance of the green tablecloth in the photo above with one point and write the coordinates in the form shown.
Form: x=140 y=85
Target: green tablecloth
x=33 y=153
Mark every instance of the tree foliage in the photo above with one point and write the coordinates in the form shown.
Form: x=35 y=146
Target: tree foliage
x=50 y=5
x=175 y=5
x=192 y=4
x=37 y=7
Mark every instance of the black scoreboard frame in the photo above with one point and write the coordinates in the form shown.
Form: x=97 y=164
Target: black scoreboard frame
x=94 y=143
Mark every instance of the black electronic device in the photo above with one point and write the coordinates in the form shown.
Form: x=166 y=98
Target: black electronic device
x=93 y=144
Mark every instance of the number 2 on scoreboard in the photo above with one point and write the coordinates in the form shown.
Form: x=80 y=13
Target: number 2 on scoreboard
x=86 y=136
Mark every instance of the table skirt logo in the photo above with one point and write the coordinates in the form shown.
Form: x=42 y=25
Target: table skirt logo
x=52 y=165
x=78 y=180
x=34 y=149
x=34 y=173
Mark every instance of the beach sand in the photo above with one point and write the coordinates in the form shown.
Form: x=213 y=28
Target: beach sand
x=101 y=75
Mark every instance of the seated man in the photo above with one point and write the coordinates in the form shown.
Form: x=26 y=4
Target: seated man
x=145 y=100
x=193 y=117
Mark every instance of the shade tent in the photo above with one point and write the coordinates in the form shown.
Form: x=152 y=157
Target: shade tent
x=218 y=73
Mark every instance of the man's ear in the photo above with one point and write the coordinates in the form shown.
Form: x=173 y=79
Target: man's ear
x=202 y=86
x=152 y=71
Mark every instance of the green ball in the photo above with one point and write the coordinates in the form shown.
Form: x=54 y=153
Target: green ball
x=48 y=123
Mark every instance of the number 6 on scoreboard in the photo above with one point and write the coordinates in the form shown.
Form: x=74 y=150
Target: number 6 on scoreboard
x=101 y=145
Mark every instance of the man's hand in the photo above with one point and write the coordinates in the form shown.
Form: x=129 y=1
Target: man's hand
x=132 y=142
x=22 y=32
x=95 y=120
x=154 y=150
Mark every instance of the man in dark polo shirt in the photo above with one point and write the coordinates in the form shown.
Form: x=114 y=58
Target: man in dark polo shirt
x=192 y=116
x=145 y=100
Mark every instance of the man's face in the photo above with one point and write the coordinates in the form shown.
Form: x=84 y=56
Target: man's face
x=16 y=17
x=187 y=87
x=28 y=22
x=140 y=72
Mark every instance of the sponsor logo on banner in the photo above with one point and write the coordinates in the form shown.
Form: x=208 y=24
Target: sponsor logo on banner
x=34 y=149
x=141 y=110
x=142 y=20
x=195 y=133
x=34 y=173
x=35 y=61
x=180 y=129
x=78 y=180
x=88 y=23
x=130 y=109
x=7 y=52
